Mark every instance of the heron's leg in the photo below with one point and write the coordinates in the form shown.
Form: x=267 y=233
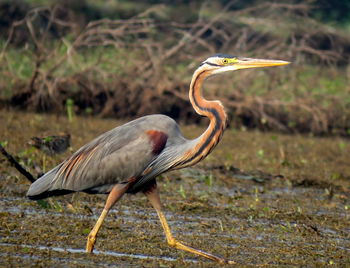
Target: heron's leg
x=153 y=197
x=115 y=194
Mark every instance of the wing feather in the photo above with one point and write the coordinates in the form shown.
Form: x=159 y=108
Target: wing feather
x=105 y=163
x=140 y=149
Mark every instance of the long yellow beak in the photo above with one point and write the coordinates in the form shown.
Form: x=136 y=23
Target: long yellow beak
x=244 y=63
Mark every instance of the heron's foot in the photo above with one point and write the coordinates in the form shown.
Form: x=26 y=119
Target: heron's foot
x=90 y=243
x=179 y=245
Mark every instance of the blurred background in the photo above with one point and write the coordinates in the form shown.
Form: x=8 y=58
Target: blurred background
x=125 y=59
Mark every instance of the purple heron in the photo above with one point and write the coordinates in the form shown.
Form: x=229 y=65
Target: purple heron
x=128 y=158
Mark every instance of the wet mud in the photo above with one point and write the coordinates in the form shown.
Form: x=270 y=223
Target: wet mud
x=260 y=199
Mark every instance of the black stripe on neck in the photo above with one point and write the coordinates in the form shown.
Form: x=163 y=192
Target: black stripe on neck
x=217 y=127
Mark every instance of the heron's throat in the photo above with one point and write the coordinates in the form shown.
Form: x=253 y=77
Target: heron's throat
x=214 y=110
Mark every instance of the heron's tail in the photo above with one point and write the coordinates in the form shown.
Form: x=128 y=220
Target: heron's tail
x=42 y=187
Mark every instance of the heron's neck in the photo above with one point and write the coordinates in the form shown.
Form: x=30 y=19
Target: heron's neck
x=214 y=110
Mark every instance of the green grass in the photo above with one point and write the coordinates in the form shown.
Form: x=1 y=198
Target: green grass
x=18 y=64
x=322 y=87
x=307 y=80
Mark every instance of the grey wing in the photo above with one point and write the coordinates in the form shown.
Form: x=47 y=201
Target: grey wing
x=105 y=165
x=132 y=151
x=114 y=157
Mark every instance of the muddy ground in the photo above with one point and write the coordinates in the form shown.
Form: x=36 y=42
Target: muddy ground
x=259 y=199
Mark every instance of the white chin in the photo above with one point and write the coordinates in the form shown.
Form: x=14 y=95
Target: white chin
x=224 y=69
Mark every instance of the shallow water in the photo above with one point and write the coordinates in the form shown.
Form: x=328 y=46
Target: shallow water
x=96 y=252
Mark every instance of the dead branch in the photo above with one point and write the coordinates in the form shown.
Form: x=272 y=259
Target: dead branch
x=17 y=165
x=146 y=86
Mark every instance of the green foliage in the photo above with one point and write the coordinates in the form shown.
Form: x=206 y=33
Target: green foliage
x=70 y=109
x=333 y=11
x=3 y=143
x=86 y=231
x=43 y=203
x=182 y=191
x=50 y=204
x=199 y=175
x=45 y=69
x=260 y=153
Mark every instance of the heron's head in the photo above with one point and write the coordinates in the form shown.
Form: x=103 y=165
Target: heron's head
x=221 y=63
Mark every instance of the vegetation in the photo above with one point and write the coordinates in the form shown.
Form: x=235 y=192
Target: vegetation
x=126 y=60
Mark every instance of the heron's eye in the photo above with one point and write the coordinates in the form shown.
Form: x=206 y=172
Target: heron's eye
x=225 y=61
